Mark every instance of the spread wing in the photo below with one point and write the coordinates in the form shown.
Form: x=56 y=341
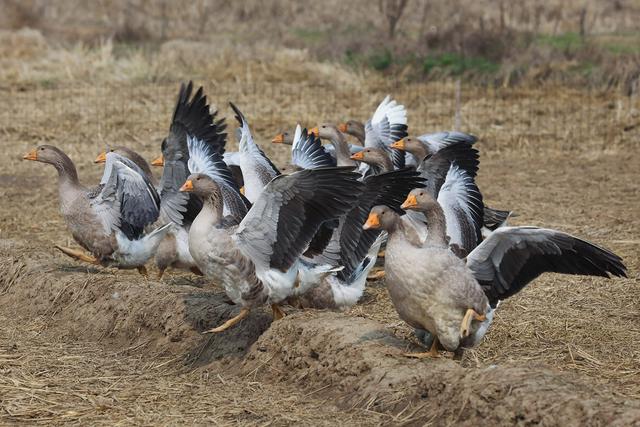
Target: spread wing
x=439 y=140
x=462 y=204
x=191 y=118
x=249 y=148
x=511 y=257
x=287 y=215
x=307 y=152
x=127 y=199
x=434 y=168
x=203 y=159
x=350 y=243
x=389 y=121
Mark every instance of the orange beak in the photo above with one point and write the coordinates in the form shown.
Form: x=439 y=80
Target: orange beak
x=411 y=202
x=314 y=131
x=373 y=222
x=342 y=127
x=31 y=155
x=357 y=156
x=102 y=157
x=278 y=139
x=398 y=144
x=158 y=162
x=187 y=186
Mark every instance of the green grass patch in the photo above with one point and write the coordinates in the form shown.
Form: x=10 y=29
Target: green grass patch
x=564 y=41
x=456 y=64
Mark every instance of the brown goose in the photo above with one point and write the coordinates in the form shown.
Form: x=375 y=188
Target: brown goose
x=108 y=220
x=256 y=261
x=452 y=298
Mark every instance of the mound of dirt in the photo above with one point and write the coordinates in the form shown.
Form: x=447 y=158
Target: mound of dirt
x=351 y=361
x=121 y=310
x=358 y=363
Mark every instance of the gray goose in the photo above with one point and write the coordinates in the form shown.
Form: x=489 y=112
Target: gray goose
x=256 y=261
x=453 y=298
x=109 y=220
x=423 y=146
x=195 y=134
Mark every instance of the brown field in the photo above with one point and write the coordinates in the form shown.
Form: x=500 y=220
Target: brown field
x=98 y=346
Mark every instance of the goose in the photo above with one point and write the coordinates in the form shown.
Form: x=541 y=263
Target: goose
x=108 y=220
x=422 y=147
x=256 y=261
x=195 y=134
x=351 y=248
x=433 y=289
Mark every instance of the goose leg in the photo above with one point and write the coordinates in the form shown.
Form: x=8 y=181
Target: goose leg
x=432 y=353
x=79 y=255
x=277 y=312
x=377 y=275
x=244 y=312
x=160 y=273
x=465 y=326
x=143 y=271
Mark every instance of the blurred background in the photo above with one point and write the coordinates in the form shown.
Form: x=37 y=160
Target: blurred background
x=589 y=42
x=518 y=72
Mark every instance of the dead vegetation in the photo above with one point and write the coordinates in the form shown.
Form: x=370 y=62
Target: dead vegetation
x=100 y=346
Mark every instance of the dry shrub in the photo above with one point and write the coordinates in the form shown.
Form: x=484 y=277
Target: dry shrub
x=23 y=44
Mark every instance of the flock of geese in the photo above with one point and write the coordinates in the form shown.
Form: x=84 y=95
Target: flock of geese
x=309 y=234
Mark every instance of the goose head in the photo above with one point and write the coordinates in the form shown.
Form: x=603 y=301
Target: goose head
x=375 y=157
x=326 y=131
x=412 y=145
x=285 y=137
x=353 y=128
x=202 y=185
x=382 y=218
x=419 y=200
x=48 y=154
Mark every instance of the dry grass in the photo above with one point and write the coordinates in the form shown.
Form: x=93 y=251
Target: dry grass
x=561 y=158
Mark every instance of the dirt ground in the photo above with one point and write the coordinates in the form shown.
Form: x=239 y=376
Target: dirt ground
x=98 y=346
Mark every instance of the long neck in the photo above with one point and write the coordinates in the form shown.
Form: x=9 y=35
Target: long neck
x=419 y=151
x=212 y=209
x=343 y=155
x=358 y=132
x=436 y=225
x=67 y=173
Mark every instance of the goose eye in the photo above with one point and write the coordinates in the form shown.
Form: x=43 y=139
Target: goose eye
x=41 y=148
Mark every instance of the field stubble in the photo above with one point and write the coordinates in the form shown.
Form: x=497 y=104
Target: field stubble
x=560 y=158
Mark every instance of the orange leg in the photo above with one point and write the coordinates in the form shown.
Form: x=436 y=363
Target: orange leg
x=432 y=353
x=229 y=323
x=79 y=255
x=465 y=326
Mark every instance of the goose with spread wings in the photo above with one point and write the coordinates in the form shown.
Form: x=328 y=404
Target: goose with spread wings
x=109 y=220
x=256 y=261
x=454 y=298
x=195 y=144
